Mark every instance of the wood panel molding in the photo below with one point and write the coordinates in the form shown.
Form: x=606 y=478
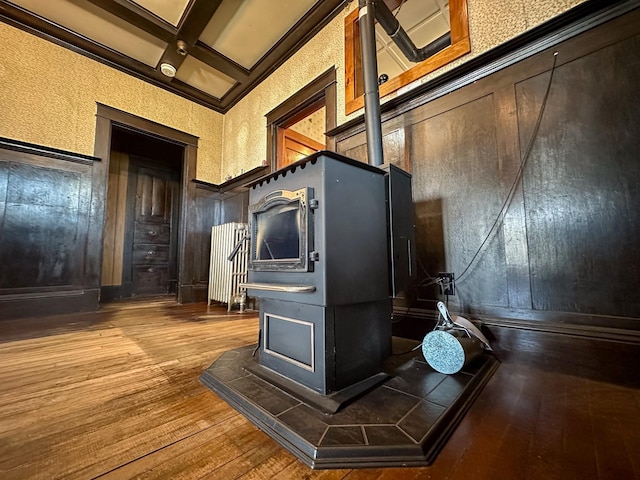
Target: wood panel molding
x=128 y=120
x=547 y=258
x=580 y=19
x=591 y=326
x=48 y=303
x=46 y=217
x=598 y=327
x=235 y=184
x=44 y=151
x=460 y=45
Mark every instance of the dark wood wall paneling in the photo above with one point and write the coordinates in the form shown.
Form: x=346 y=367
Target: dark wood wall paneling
x=566 y=253
x=46 y=263
x=213 y=205
x=581 y=189
x=52 y=207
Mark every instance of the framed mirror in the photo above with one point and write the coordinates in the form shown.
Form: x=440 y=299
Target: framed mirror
x=424 y=21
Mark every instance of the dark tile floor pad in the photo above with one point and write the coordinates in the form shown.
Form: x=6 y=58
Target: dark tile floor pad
x=404 y=421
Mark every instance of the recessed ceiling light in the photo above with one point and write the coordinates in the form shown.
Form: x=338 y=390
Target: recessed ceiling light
x=168 y=70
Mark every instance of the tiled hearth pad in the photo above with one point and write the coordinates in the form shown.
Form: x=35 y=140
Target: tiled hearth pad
x=404 y=421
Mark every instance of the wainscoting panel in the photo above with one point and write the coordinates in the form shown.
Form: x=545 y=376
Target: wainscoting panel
x=564 y=250
x=458 y=174
x=45 y=210
x=581 y=183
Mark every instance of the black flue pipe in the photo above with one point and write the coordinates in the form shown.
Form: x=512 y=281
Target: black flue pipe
x=402 y=40
x=369 y=12
x=372 y=120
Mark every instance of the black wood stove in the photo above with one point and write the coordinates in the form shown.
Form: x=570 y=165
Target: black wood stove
x=319 y=266
x=331 y=242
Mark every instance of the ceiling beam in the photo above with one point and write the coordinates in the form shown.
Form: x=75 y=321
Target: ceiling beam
x=211 y=57
x=192 y=26
x=193 y=23
x=24 y=20
x=139 y=17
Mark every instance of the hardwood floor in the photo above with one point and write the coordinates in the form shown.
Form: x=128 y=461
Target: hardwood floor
x=115 y=394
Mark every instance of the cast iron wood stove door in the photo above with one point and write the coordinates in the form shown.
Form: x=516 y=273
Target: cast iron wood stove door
x=153 y=246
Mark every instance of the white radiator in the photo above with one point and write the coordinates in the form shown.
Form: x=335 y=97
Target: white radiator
x=225 y=275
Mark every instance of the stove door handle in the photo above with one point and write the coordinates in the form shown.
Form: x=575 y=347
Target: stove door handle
x=279 y=287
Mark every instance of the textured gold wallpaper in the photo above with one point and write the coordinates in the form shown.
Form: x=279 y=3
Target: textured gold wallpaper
x=245 y=133
x=491 y=22
x=48 y=96
x=313 y=126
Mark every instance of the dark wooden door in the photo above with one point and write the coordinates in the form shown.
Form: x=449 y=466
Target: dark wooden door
x=152 y=230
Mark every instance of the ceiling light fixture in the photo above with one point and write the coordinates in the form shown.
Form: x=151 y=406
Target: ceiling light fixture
x=168 y=70
x=182 y=47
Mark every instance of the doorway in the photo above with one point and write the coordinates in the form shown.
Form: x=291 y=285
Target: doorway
x=297 y=127
x=109 y=119
x=302 y=135
x=142 y=215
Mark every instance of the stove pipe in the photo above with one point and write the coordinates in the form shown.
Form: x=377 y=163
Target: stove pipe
x=401 y=39
x=372 y=119
x=369 y=12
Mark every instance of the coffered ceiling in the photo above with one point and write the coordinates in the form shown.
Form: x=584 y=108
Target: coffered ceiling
x=216 y=50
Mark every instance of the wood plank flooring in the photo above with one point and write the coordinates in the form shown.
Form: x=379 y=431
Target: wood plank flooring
x=115 y=394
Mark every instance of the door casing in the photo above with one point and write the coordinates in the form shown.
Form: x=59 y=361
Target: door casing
x=106 y=118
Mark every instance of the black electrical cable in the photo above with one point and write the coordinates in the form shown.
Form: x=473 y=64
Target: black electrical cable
x=258 y=345
x=399 y=354
x=398 y=11
x=516 y=181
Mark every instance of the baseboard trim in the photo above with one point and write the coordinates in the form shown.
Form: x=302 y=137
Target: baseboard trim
x=599 y=333
x=601 y=327
x=37 y=304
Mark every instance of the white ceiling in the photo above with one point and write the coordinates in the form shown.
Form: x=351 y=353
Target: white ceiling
x=203 y=77
x=90 y=21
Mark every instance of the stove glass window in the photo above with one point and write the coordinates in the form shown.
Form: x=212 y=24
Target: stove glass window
x=278 y=233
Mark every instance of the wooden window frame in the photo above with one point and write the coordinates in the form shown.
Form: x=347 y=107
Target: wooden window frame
x=460 y=45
